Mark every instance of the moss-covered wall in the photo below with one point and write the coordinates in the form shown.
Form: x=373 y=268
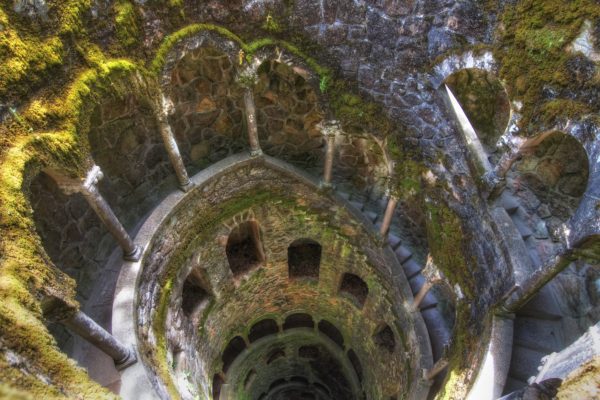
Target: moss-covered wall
x=267 y=291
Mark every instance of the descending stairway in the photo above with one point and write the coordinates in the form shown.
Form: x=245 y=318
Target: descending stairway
x=538 y=326
x=373 y=209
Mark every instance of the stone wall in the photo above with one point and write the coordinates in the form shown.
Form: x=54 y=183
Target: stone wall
x=236 y=304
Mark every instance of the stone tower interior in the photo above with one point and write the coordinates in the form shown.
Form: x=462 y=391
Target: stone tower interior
x=299 y=199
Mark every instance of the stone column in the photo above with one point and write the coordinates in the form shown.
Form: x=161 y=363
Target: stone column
x=171 y=145
x=255 y=149
x=82 y=325
x=329 y=129
x=387 y=217
x=435 y=370
x=421 y=295
x=536 y=281
x=90 y=192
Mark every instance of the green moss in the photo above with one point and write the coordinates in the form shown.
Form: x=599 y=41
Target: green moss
x=532 y=51
x=126 y=22
x=25 y=59
x=446 y=241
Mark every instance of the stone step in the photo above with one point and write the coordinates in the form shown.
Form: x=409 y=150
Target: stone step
x=357 y=204
x=438 y=332
x=429 y=301
x=344 y=195
x=411 y=268
x=416 y=282
x=522 y=227
x=403 y=253
x=538 y=334
x=394 y=241
x=513 y=384
x=509 y=203
x=524 y=362
x=542 y=306
x=372 y=216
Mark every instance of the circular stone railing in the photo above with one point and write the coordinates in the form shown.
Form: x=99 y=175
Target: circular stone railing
x=139 y=381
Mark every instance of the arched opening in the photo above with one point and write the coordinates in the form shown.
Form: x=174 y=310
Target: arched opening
x=309 y=352
x=249 y=379
x=275 y=355
x=555 y=167
x=355 y=288
x=194 y=295
x=244 y=248
x=333 y=333
x=233 y=349
x=304 y=259
x=299 y=320
x=217 y=384
x=207 y=118
x=263 y=328
x=355 y=364
x=288 y=114
x=485 y=102
x=385 y=339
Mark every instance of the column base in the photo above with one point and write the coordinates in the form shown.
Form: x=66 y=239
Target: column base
x=326 y=186
x=127 y=362
x=135 y=255
x=256 y=153
x=186 y=187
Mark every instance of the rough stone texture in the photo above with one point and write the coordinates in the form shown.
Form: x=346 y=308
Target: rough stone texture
x=127 y=146
x=208 y=114
x=282 y=220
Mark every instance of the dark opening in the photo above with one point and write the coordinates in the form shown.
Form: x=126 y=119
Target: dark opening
x=356 y=288
x=322 y=388
x=299 y=320
x=299 y=379
x=249 y=379
x=278 y=382
x=244 y=250
x=304 y=259
x=355 y=364
x=331 y=332
x=309 y=352
x=274 y=355
x=216 y=386
x=263 y=328
x=194 y=295
x=233 y=349
x=385 y=339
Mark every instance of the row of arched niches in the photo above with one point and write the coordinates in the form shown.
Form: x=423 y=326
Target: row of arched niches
x=546 y=175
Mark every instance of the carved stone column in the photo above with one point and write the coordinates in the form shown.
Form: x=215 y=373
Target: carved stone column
x=90 y=192
x=329 y=129
x=387 y=217
x=255 y=149
x=171 y=145
x=57 y=310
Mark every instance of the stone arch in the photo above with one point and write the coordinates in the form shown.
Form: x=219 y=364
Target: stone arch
x=288 y=114
x=206 y=109
x=353 y=287
x=262 y=328
x=298 y=320
x=484 y=100
x=244 y=248
x=125 y=142
x=232 y=351
x=195 y=294
x=484 y=61
x=555 y=167
x=384 y=338
x=304 y=258
x=332 y=332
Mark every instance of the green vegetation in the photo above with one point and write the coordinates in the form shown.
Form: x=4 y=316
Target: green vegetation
x=126 y=23
x=532 y=51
